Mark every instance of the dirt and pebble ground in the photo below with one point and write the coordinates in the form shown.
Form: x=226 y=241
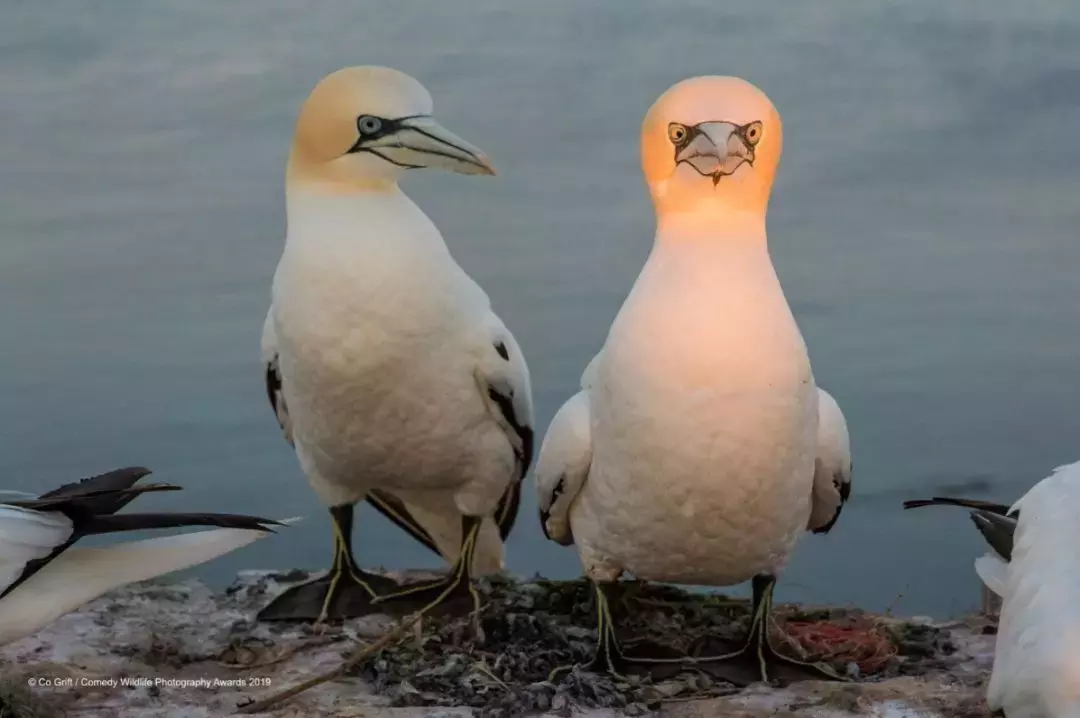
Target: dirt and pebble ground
x=197 y=654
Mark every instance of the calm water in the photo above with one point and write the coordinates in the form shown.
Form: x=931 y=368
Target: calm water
x=924 y=226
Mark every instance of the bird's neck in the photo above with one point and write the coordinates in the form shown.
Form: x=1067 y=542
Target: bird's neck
x=309 y=199
x=711 y=224
x=373 y=223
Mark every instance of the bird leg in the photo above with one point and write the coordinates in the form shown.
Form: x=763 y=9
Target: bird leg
x=757 y=657
x=345 y=591
x=608 y=657
x=447 y=593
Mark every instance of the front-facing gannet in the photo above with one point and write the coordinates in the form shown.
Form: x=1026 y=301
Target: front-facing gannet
x=42 y=577
x=1034 y=566
x=389 y=372
x=689 y=455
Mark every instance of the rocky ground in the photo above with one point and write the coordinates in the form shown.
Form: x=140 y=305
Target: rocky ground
x=186 y=652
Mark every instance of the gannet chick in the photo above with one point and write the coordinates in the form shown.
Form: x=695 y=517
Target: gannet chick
x=689 y=455
x=42 y=577
x=387 y=369
x=1033 y=565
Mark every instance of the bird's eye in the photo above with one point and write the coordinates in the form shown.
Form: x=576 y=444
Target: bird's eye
x=752 y=132
x=676 y=132
x=368 y=125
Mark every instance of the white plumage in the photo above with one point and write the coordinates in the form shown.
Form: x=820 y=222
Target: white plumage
x=42 y=577
x=1033 y=565
x=1037 y=659
x=82 y=574
x=390 y=373
x=689 y=455
x=26 y=535
x=566 y=453
x=832 y=469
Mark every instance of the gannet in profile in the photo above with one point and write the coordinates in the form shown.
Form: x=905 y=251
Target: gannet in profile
x=1034 y=565
x=42 y=577
x=689 y=455
x=387 y=369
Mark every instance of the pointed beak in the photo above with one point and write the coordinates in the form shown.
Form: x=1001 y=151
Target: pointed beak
x=423 y=142
x=716 y=148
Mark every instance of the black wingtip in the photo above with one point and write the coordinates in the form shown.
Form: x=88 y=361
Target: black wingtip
x=973 y=504
x=140 y=522
x=998 y=531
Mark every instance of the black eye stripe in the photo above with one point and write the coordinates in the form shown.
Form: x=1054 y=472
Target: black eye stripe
x=387 y=126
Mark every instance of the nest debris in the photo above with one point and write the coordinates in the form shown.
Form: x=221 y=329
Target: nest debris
x=529 y=629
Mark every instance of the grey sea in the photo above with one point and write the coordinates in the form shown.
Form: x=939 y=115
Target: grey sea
x=925 y=226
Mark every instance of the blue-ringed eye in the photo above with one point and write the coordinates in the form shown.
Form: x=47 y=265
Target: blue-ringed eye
x=368 y=125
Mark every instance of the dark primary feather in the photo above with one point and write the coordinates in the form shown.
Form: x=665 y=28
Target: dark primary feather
x=140 y=522
x=998 y=531
x=507 y=510
x=994 y=521
x=394 y=509
x=101 y=492
x=92 y=503
x=973 y=504
x=109 y=481
x=843 y=488
x=103 y=502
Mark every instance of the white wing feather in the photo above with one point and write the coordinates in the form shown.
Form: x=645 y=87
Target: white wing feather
x=563 y=466
x=832 y=470
x=26 y=535
x=1037 y=662
x=79 y=575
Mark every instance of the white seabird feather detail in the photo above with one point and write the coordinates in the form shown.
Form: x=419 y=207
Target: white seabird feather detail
x=79 y=575
x=26 y=535
x=1037 y=657
x=1033 y=565
x=832 y=469
x=566 y=452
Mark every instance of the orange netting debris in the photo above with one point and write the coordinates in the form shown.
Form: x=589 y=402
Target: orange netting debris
x=864 y=643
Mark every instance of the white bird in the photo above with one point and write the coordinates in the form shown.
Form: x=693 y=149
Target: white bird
x=42 y=577
x=387 y=368
x=689 y=455
x=1034 y=566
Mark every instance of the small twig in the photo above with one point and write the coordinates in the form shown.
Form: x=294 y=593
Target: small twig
x=481 y=667
x=360 y=654
x=702 y=695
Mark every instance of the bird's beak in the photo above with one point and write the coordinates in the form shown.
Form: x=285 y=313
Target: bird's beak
x=716 y=148
x=423 y=142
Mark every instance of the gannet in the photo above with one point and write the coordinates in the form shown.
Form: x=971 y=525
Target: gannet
x=387 y=368
x=1034 y=566
x=42 y=577
x=689 y=455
